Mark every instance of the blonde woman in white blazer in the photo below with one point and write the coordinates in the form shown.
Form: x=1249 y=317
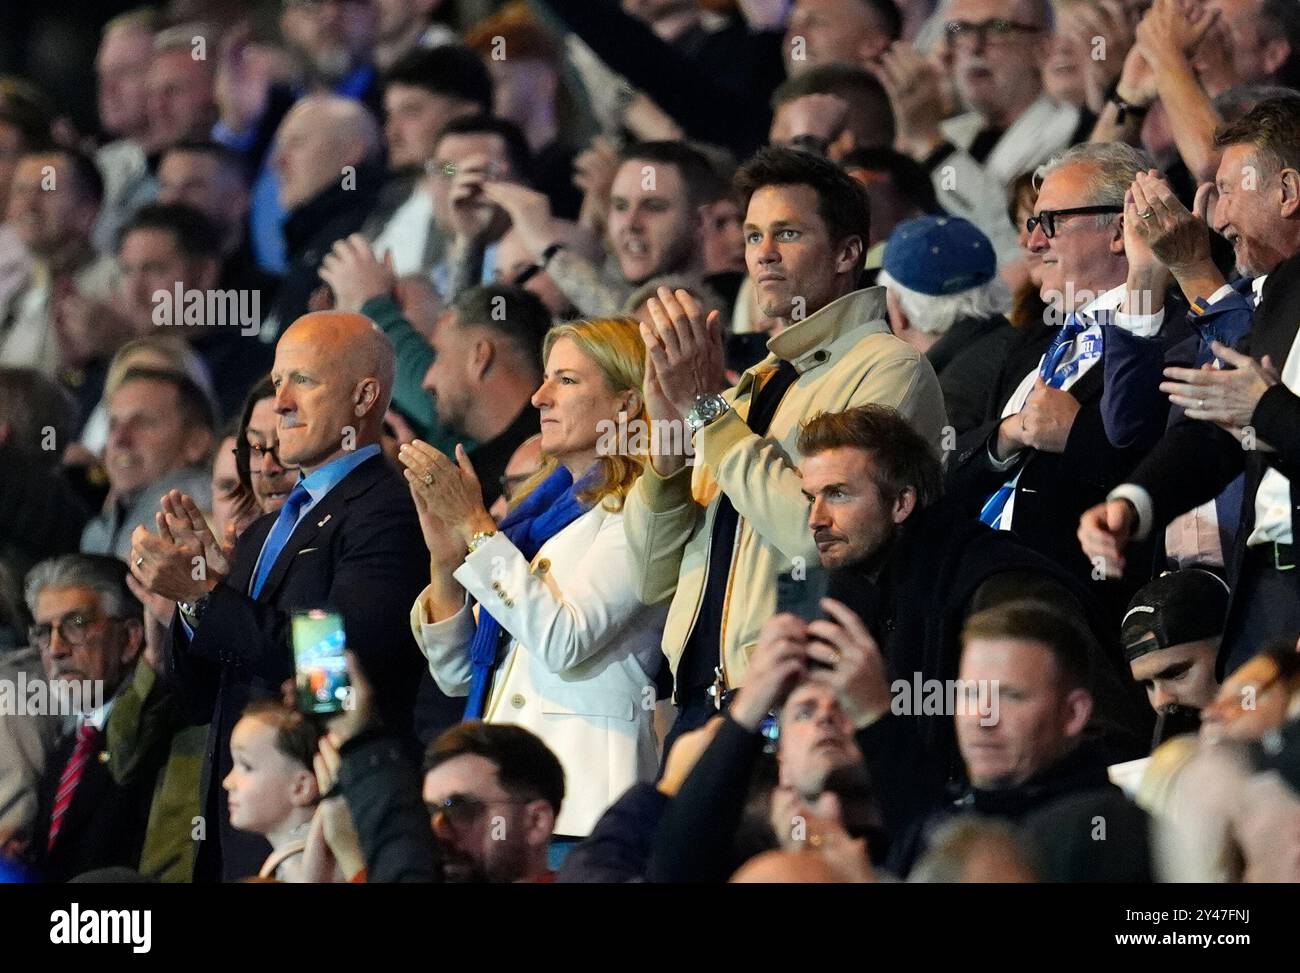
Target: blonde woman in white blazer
x=578 y=652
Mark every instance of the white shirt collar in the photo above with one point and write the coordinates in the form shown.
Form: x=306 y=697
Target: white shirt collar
x=1111 y=300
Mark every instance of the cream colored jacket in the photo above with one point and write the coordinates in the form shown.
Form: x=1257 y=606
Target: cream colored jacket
x=845 y=356
x=578 y=670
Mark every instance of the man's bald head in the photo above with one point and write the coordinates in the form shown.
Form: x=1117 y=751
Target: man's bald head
x=319 y=137
x=333 y=375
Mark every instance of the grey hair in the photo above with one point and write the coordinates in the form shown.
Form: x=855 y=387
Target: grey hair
x=955 y=843
x=936 y=313
x=1114 y=166
x=104 y=575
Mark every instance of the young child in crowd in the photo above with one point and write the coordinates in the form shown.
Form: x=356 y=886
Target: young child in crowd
x=272 y=788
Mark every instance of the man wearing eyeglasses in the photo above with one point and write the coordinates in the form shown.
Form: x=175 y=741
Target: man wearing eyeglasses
x=1063 y=427
x=98 y=785
x=993 y=51
x=491 y=792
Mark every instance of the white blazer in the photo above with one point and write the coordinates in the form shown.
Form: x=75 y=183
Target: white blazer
x=578 y=670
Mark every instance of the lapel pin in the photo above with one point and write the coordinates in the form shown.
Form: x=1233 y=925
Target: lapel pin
x=325 y=521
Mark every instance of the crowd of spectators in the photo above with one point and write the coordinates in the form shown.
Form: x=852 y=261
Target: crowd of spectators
x=741 y=440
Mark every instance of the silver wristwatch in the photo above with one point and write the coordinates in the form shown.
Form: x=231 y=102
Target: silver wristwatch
x=193 y=610
x=708 y=407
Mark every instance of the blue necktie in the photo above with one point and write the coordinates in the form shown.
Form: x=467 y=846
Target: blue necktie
x=279 y=536
x=1054 y=371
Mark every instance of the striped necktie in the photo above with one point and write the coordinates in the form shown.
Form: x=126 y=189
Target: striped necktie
x=87 y=737
x=1057 y=366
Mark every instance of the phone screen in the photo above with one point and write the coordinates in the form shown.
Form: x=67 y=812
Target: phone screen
x=320 y=669
x=801 y=596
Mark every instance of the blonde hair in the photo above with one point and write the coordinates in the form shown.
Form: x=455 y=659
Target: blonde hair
x=614 y=345
x=170 y=352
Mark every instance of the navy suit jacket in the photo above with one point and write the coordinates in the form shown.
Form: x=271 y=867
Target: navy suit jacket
x=358 y=551
x=1227 y=321
x=1110 y=434
x=1195 y=461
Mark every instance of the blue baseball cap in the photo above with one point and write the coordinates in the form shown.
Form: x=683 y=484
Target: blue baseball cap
x=939 y=255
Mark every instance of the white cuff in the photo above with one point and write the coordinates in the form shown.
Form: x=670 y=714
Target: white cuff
x=1220 y=294
x=1140 y=325
x=1141 y=501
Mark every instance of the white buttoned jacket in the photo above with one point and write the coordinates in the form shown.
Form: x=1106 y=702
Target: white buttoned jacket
x=579 y=667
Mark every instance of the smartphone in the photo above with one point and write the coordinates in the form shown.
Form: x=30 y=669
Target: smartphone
x=801 y=596
x=320 y=669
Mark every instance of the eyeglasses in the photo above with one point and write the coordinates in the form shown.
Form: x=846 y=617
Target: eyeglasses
x=1048 y=217
x=73 y=629
x=462 y=810
x=997 y=29
x=511 y=484
x=257 y=454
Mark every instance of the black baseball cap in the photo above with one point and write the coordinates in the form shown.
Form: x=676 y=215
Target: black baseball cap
x=1177 y=607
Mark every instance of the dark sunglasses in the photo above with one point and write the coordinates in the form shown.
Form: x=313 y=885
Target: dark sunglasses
x=1048 y=217
x=462 y=810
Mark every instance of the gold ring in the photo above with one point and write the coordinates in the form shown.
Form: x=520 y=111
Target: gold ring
x=139 y=562
x=428 y=479
x=1148 y=214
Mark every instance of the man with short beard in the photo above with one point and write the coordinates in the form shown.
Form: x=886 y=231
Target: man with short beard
x=713 y=537
x=914 y=568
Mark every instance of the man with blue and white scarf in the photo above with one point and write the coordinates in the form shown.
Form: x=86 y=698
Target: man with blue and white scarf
x=1063 y=427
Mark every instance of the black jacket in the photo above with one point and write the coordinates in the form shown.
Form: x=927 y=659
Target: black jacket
x=620 y=844
x=106 y=822
x=942 y=567
x=1054 y=489
x=359 y=551
x=40 y=513
x=1196 y=460
x=716 y=85
x=916 y=804
x=967 y=360
x=310 y=231
x=382 y=787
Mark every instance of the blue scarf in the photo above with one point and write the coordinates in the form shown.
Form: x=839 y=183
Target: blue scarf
x=543 y=514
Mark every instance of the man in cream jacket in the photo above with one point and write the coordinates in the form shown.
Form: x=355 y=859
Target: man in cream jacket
x=713 y=535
